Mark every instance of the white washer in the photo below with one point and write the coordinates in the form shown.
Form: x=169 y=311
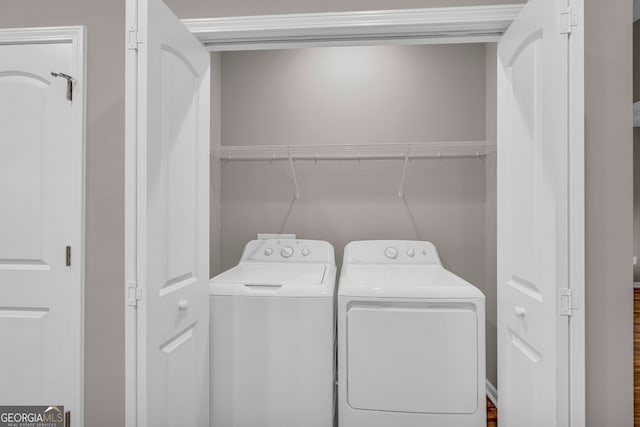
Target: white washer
x=272 y=337
x=411 y=340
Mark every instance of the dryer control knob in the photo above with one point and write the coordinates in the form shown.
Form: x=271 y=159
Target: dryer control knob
x=305 y=251
x=391 y=252
x=411 y=253
x=286 y=252
x=268 y=251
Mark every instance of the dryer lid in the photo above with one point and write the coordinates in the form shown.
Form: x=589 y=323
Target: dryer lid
x=275 y=279
x=404 y=281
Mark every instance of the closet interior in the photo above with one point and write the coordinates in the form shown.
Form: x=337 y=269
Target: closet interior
x=359 y=143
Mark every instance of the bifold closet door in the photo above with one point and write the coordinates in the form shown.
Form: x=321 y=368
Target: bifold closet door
x=533 y=218
x=172 y=221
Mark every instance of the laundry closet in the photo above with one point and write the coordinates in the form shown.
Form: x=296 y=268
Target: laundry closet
x=358 y=143
x=340 y=140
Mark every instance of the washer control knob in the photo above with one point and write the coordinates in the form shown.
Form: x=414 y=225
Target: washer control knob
x=391 y=252
x=411 y=253
x=286 y=252
x=268 y=251
x=305 y=251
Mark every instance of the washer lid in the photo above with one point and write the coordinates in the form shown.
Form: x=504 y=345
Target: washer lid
x=275 y=279
x=404 y=281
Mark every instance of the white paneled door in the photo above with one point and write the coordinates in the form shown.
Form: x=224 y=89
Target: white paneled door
x=41 y=215
x=534 y=301
x=172 y=225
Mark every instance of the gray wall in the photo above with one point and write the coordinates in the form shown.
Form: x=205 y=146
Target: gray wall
x=355 y=95
x=636 y=202
x=104 y=311
x=636 y=61
x=491 y=279
x=636 y=151
x=609 y=299
x=215 y=230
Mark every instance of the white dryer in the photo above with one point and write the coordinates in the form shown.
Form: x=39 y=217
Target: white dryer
x=411 y=340
x=272 y=337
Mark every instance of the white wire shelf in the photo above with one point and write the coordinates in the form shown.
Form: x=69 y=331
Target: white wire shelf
x=413 y=150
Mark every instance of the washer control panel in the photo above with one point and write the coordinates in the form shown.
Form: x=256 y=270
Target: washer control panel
x=288 y=250
x=391 y=252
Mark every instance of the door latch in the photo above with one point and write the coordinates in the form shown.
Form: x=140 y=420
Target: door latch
x=70 y=80
x=67 y=256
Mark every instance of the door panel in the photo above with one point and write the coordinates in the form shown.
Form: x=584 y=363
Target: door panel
x=533 y=218
x=424 y=369
x=525 y=402
x=173 y=220
x=41 y=214
x=21 y=216
x=179 y=353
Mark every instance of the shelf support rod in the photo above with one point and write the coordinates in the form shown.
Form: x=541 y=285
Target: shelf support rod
x=404 y=172
x=293 y=174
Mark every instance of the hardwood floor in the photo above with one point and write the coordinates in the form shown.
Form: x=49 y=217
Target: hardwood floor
x=636 y=357
x=492 y=414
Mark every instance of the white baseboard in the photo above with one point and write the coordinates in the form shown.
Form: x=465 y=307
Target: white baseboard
x=492 y=393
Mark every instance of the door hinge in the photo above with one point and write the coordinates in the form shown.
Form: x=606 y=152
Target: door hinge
x=134 y=38
x=134 y=294
x=568 y=302
x=568 y=20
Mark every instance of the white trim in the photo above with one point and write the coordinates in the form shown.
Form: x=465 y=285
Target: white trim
x=577 y=328
x=407 y=26
x=76 y=35
x=492 y=393
x=131 y=213
x=636 y=114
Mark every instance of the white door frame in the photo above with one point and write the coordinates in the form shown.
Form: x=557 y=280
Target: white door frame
x=577 y=225
x=131 y=213
x=471 y=24
x=476 y=24
x=76 y=36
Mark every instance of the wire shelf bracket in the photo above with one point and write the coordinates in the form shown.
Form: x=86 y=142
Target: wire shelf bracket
x=293 y=175
x=404 y=172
